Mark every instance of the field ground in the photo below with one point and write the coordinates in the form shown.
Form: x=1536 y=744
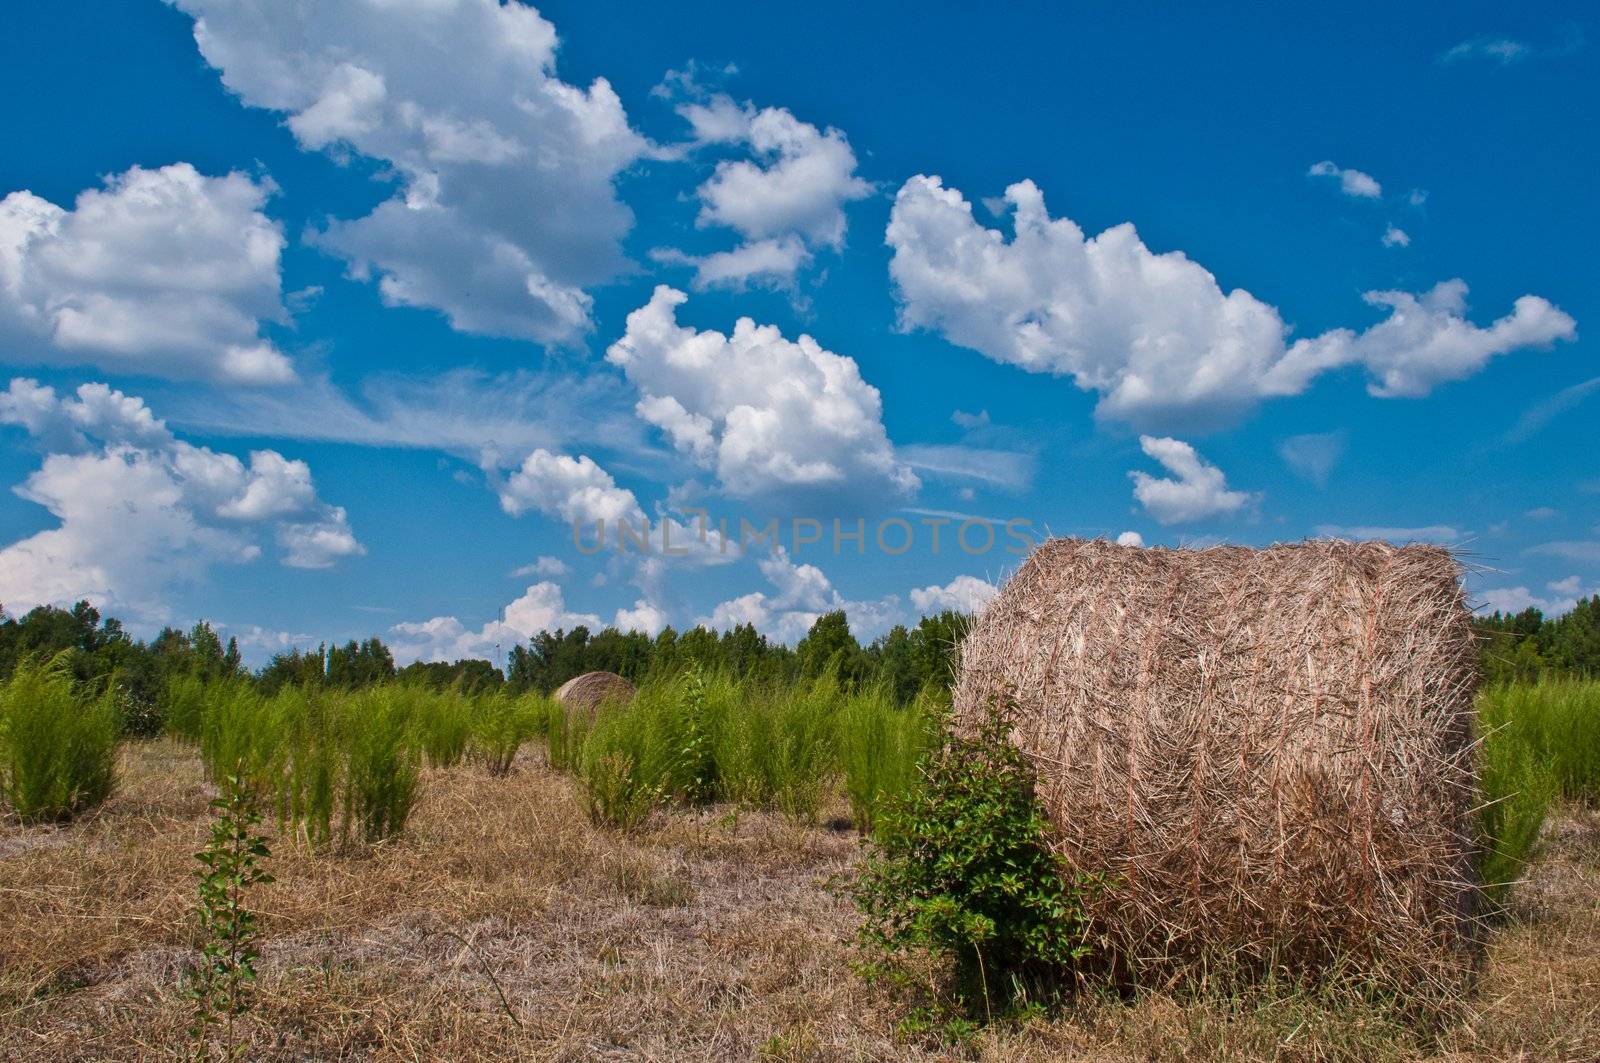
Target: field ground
x=711 y=935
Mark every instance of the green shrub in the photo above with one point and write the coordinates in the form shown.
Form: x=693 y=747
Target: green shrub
x=59 y=748
x=879 y=744
x=615 y=794
x=779 y=747
x=314 y=755
x=186 y=697
x=444 y=723
x=242 y=734
x=961 y=869
x=500 y=725
x=383 y=769
x=1559 y=720
x=230 y=865
x=1519 y=785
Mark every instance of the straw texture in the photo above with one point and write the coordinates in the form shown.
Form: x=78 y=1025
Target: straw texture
x=1268 y=751
x=592 y=689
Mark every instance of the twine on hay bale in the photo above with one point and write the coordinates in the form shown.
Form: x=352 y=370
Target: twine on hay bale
x=592 y=689
x=1269 y=751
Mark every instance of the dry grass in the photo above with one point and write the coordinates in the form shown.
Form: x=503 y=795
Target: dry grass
x=708 y=936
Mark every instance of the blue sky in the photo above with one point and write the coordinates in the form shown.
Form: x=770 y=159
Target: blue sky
x=317 y=325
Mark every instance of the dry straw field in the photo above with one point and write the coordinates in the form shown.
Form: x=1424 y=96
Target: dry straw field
x=709 y=934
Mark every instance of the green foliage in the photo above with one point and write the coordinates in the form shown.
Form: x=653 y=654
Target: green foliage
x=186 y=696
x=703 y=736
x=962 y=869
x=1518 y=789
x=1522 y=647
x=1559 y=720
x=879 y=746
x=230 y=865
x=501 y=724
x=444 y=723
x=330 y=764
x=383 y=775
x=58 y=746
x=359 y=664
x=615 y=792
x=1541 y=741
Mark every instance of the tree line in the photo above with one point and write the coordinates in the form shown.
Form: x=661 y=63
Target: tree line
x=99 y=650
x=1515 y=647
x=1527 y=645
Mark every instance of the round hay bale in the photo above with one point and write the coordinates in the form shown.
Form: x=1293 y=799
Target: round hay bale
x=592 y=689
x=1268 y=751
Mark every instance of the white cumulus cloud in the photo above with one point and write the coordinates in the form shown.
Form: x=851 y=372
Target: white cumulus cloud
x=1154 y=334
x=767 y=414
x=140 y=511
x=542 y=607
x=166 y=271
x=505 y=210
x=785 y=200
x=1195 y=490
x=964 y=594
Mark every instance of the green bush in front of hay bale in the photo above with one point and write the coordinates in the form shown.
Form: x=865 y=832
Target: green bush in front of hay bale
x=58 y=745
x=961 y=869
x=500 y=724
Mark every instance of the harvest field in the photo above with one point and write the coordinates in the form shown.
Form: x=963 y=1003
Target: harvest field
x=497 y=878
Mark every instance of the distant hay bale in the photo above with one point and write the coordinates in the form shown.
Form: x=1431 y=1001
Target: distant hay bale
x=592 y=689
x=1268 y=751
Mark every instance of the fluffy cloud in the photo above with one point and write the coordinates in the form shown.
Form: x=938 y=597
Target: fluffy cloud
x=445 y=638
x=1130 y=538
x=164 y=271
x=575 y=490
x=785 y=201
x=139 y=510
x=542 y=607
x=1153 y=334
x=544 y=566
x=1196 y=489
x=964 y=594
x=769 y=415
x=1563 y=595
x=800 y=594
x=1425 y=341
x=1351 y=182
x=1394 y=236
x=505 y=210
x=645 y=616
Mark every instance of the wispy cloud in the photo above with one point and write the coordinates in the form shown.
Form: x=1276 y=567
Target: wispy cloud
x=1542 y=413
x=1501 y=50
x=1009 y=469
x=1432 y=533
x=1585 y=550
x=1507 y=51
x=475 y=415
